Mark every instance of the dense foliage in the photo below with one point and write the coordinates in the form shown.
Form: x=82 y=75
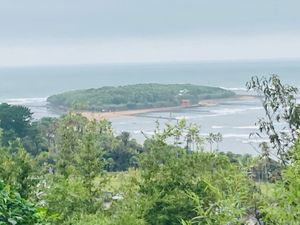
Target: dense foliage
x=16 y=122
x=16 y=210
x=197 y=187
x=136 y=96
x=87 y=175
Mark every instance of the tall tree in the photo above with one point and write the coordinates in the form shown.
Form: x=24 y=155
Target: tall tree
x=15 y=121
x=282 y=113
x=18 y=169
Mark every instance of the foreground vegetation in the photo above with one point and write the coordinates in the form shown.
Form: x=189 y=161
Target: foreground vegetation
x=138 y=96
x=77 y=172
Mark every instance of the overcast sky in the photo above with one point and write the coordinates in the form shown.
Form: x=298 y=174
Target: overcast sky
x=43 y=32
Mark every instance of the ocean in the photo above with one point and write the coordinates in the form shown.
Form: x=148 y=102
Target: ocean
x=235 y=119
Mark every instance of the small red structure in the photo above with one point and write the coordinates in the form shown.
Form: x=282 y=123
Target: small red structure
x=185 y=103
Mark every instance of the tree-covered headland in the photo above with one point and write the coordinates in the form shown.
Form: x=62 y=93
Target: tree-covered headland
x=137 y=96
x=74 y=171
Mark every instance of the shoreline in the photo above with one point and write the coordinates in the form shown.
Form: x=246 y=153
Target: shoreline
x=136 y=112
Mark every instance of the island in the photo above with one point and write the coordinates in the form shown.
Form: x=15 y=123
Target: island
x=138 y=96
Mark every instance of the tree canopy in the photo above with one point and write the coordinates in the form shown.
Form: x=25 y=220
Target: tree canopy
x=88 y=175
x=136 y=96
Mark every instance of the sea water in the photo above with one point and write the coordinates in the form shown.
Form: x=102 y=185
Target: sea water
x=235 y=119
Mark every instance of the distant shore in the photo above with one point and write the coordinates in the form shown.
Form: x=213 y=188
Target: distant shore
x=126 y=113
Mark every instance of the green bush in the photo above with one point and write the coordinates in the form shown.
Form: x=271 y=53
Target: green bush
x=14 y=210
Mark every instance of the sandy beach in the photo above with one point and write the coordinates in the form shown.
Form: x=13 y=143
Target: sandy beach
x=109 y=115
x=115 y=114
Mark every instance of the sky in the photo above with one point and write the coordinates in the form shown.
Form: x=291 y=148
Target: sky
x=67 y=32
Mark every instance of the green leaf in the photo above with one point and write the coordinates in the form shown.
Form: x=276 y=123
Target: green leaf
x=12 y=221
